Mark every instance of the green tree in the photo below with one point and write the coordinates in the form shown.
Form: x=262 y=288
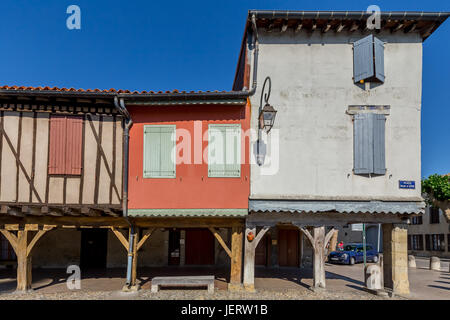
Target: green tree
x=436 y=190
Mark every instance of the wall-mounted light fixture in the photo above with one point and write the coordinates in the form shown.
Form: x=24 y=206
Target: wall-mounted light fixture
x=267 y=113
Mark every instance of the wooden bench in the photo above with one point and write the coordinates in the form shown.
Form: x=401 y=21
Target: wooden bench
x=191 y=281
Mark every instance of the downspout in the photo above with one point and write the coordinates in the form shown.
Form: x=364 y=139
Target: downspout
x=120 y=106
x=255 y=56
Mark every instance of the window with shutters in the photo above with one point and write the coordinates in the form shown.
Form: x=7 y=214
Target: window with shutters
x=434 y=215
x=224 y=150
x=368 y=60
x=65 y=154
x=159 y=151
x=369 y=144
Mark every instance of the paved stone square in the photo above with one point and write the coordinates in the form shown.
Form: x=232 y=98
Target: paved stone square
x=343 y=282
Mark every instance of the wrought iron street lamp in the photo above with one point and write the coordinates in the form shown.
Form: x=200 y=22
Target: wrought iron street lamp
x=267 y=113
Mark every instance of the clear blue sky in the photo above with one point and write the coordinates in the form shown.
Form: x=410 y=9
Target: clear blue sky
x=188 y=45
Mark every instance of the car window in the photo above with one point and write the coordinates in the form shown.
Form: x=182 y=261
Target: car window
x=350 y=248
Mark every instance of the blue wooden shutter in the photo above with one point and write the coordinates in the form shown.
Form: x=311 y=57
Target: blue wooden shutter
x=363 y=66
x=224 y=150
x=379 y=162
x=159 y=151
x=363 y=143
x=379 y=58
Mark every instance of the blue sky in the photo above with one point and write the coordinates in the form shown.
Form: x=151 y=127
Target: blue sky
x=188 y=45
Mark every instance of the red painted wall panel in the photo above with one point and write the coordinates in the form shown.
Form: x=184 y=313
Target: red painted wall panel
x=192 y=188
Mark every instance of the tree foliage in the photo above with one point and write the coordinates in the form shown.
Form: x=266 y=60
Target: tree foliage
x=437 y=187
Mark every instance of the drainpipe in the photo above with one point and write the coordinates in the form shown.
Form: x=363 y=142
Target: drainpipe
x=255 y=56
x=120 y=105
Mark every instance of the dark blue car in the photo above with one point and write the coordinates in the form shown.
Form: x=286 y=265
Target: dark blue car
x=353 y=253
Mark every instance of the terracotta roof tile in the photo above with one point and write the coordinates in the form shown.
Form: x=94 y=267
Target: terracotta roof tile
x=96 y=90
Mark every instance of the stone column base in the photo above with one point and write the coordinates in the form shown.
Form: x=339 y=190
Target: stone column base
x=249 y=287
x=235 y=287
x=134 y=288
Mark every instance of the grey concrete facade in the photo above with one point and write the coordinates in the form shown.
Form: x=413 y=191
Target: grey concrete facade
x=312 y=88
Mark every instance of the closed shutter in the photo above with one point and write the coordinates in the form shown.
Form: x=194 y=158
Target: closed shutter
x=65 y=154
x=379 y=157
x=159 y=151
x=379 y=58
x=74 y=132
x=363 y=144
x=363 y=66
x=224 y=150
x=57 y=154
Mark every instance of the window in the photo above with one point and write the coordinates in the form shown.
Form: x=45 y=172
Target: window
x=65 y=145
x=368 y=60
x=434 y=215
x=224 y=150
x=369 y=143
x=435 y=242
x=416 y=242
x=159 y=151
x=417 y=220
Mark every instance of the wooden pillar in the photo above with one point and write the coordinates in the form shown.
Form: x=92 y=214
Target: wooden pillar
x=319 y=257
x=23 y=249
x=135 y=257
x=236 y=259
x=23 y=262
x=333 y=241
x=249 y=255
x=395 y=259
x=319 y=241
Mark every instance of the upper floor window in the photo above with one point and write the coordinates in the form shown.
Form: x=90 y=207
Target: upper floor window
x=368 y=60
x=369 y=143
x=224 y=150
x=159 y=151
x=434 y=215
x=417 y=220
x=65 y=154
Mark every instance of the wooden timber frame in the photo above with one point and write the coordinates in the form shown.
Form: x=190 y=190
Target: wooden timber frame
x=17 y=230
x=150 y=224
x=33 y=196
x=313 y=226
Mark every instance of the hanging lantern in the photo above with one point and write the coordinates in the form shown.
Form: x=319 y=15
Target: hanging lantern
x=267 y=117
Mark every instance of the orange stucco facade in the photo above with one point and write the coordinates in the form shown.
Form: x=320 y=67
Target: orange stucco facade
x=191 y=188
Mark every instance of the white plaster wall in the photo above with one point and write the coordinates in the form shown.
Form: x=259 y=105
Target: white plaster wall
x=312 y=87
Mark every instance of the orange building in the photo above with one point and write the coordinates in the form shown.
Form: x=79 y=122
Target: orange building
x=189 y=174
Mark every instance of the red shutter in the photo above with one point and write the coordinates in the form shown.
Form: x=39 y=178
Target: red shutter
x=57 y=145
x=65 y=145
x=74 y=145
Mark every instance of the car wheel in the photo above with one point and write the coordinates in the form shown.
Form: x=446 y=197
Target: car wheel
x=375 y=259
x=352 y=261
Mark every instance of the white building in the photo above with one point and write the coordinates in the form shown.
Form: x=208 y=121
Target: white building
x=345 y=143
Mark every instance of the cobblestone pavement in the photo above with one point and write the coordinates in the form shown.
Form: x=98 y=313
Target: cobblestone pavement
x=343 y=282
x=262 y=294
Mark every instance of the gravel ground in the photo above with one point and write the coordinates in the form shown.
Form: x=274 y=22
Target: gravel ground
x=304 y=294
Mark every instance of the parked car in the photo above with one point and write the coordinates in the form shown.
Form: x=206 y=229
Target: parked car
x=353 y=253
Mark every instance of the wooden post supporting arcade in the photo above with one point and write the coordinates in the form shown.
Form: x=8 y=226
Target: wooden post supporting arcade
x=23 y=251
x=251 y=242
x=319 y=242
x=137 y=245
